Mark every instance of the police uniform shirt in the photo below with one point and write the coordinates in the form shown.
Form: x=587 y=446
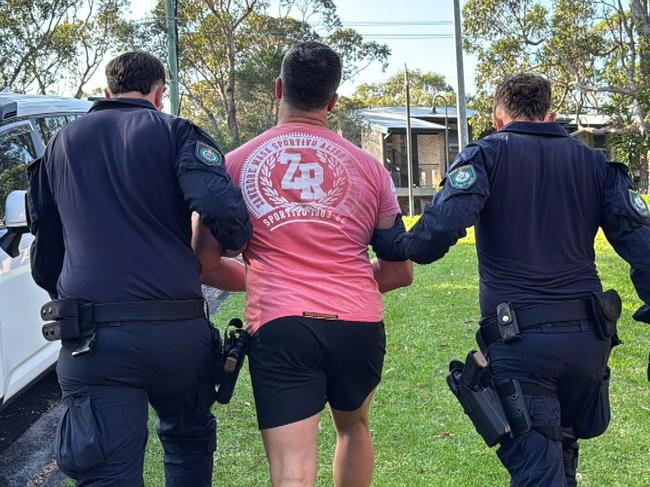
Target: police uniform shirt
x=537 y=197
x=111 y=201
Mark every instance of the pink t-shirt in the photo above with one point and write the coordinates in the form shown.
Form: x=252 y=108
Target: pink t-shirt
x=314 y=200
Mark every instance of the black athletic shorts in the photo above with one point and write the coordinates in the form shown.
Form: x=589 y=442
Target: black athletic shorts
x=298 y=364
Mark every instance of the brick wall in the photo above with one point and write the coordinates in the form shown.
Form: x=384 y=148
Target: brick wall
x=372 y=142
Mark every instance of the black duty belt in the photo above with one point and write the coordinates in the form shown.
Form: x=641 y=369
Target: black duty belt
x=75 y=322
x=558 y=313
x=173 y=310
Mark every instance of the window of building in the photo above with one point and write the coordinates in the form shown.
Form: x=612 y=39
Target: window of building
x=453 y=153
x=396 y=160
x=16 y=151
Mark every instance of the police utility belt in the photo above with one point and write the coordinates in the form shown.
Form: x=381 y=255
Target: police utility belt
x=603 y=309
x=497 y=408
x=74 y=322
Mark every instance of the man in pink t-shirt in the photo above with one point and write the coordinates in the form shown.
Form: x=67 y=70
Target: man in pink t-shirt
x=314 y=305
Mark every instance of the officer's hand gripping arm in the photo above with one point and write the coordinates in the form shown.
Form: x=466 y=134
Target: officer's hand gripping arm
x=208 y=190
x=626 y=223
x=445 y=220
x=439 y=227
x=391 y=275
x=388 y=244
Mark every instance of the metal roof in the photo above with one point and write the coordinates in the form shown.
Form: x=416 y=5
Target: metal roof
x=586 y=119
x=384 y=120
x=425 y=112
x=43 y=104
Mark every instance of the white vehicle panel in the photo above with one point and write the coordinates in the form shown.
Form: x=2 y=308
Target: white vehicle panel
x=25 y=353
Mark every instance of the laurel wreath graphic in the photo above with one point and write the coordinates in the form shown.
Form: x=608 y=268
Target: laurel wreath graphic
x=338 y=184
x=267 y=186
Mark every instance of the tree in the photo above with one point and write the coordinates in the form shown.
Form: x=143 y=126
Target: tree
x=231 y=52
x=424 y=87
x=30 y=32
x=101 y=31
x=596 y=53
x=44 y=42
x=227 y=17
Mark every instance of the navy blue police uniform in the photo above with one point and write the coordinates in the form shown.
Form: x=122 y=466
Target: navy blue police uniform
x=537 y=198
x=110 y=205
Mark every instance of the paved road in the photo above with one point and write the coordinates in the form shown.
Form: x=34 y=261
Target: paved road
x=18 y=416
x=27 y=427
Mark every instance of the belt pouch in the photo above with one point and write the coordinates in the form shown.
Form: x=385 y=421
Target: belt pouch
x=65 y=316
x=606 y=307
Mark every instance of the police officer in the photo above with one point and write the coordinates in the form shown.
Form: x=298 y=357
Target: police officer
x=537 y=197
x=111 y=204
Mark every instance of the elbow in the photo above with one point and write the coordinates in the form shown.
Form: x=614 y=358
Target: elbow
x=434 y=246
x=409 y=274
x=206 y=272
x=233 y=253
x=428 y=255
x=228 y=222
x=406 y=277
x=210 y=267
x=234 y=237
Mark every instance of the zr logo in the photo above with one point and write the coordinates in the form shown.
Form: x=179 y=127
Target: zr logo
x=309 y=179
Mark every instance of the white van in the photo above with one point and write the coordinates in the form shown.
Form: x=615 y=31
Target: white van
x=26 y=124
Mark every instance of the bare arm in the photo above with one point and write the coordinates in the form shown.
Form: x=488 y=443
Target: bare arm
x=391 y=275
x=217 y=271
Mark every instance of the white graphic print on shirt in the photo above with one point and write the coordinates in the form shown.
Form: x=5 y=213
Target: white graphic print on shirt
x=299 y=177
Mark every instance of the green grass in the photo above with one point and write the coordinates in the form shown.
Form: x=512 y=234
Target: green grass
x=421 y=435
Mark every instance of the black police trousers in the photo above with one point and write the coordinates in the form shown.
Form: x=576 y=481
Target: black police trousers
x=571 y=360
x=102 y=431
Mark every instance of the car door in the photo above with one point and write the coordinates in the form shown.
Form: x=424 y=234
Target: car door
x=24 y=354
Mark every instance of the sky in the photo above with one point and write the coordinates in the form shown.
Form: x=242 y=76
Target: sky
x=430 y=54
x=399 y=24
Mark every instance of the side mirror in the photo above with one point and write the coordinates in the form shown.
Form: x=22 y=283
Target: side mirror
x=15 y=221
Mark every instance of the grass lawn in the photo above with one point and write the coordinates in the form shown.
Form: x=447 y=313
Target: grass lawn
x=421 y=435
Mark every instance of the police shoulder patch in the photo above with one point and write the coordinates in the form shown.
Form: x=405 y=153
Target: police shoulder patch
x=463 y=177
x=208 y=155
x=638 y=204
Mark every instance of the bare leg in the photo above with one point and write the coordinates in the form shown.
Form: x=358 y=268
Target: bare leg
x=355 y=456
x=291 y=451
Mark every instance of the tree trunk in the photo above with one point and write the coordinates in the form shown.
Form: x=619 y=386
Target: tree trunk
x=641 y=20
x=643 y=172
x=230 y=90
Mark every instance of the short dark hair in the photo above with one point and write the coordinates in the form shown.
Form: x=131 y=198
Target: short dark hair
x=524 y=96
x=311 y=73
x=134 y=71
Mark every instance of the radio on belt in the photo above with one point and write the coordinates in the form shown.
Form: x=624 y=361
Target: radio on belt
x=507 y=321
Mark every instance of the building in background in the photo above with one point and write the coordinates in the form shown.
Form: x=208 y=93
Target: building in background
x=590 y=129
x=382 y=133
